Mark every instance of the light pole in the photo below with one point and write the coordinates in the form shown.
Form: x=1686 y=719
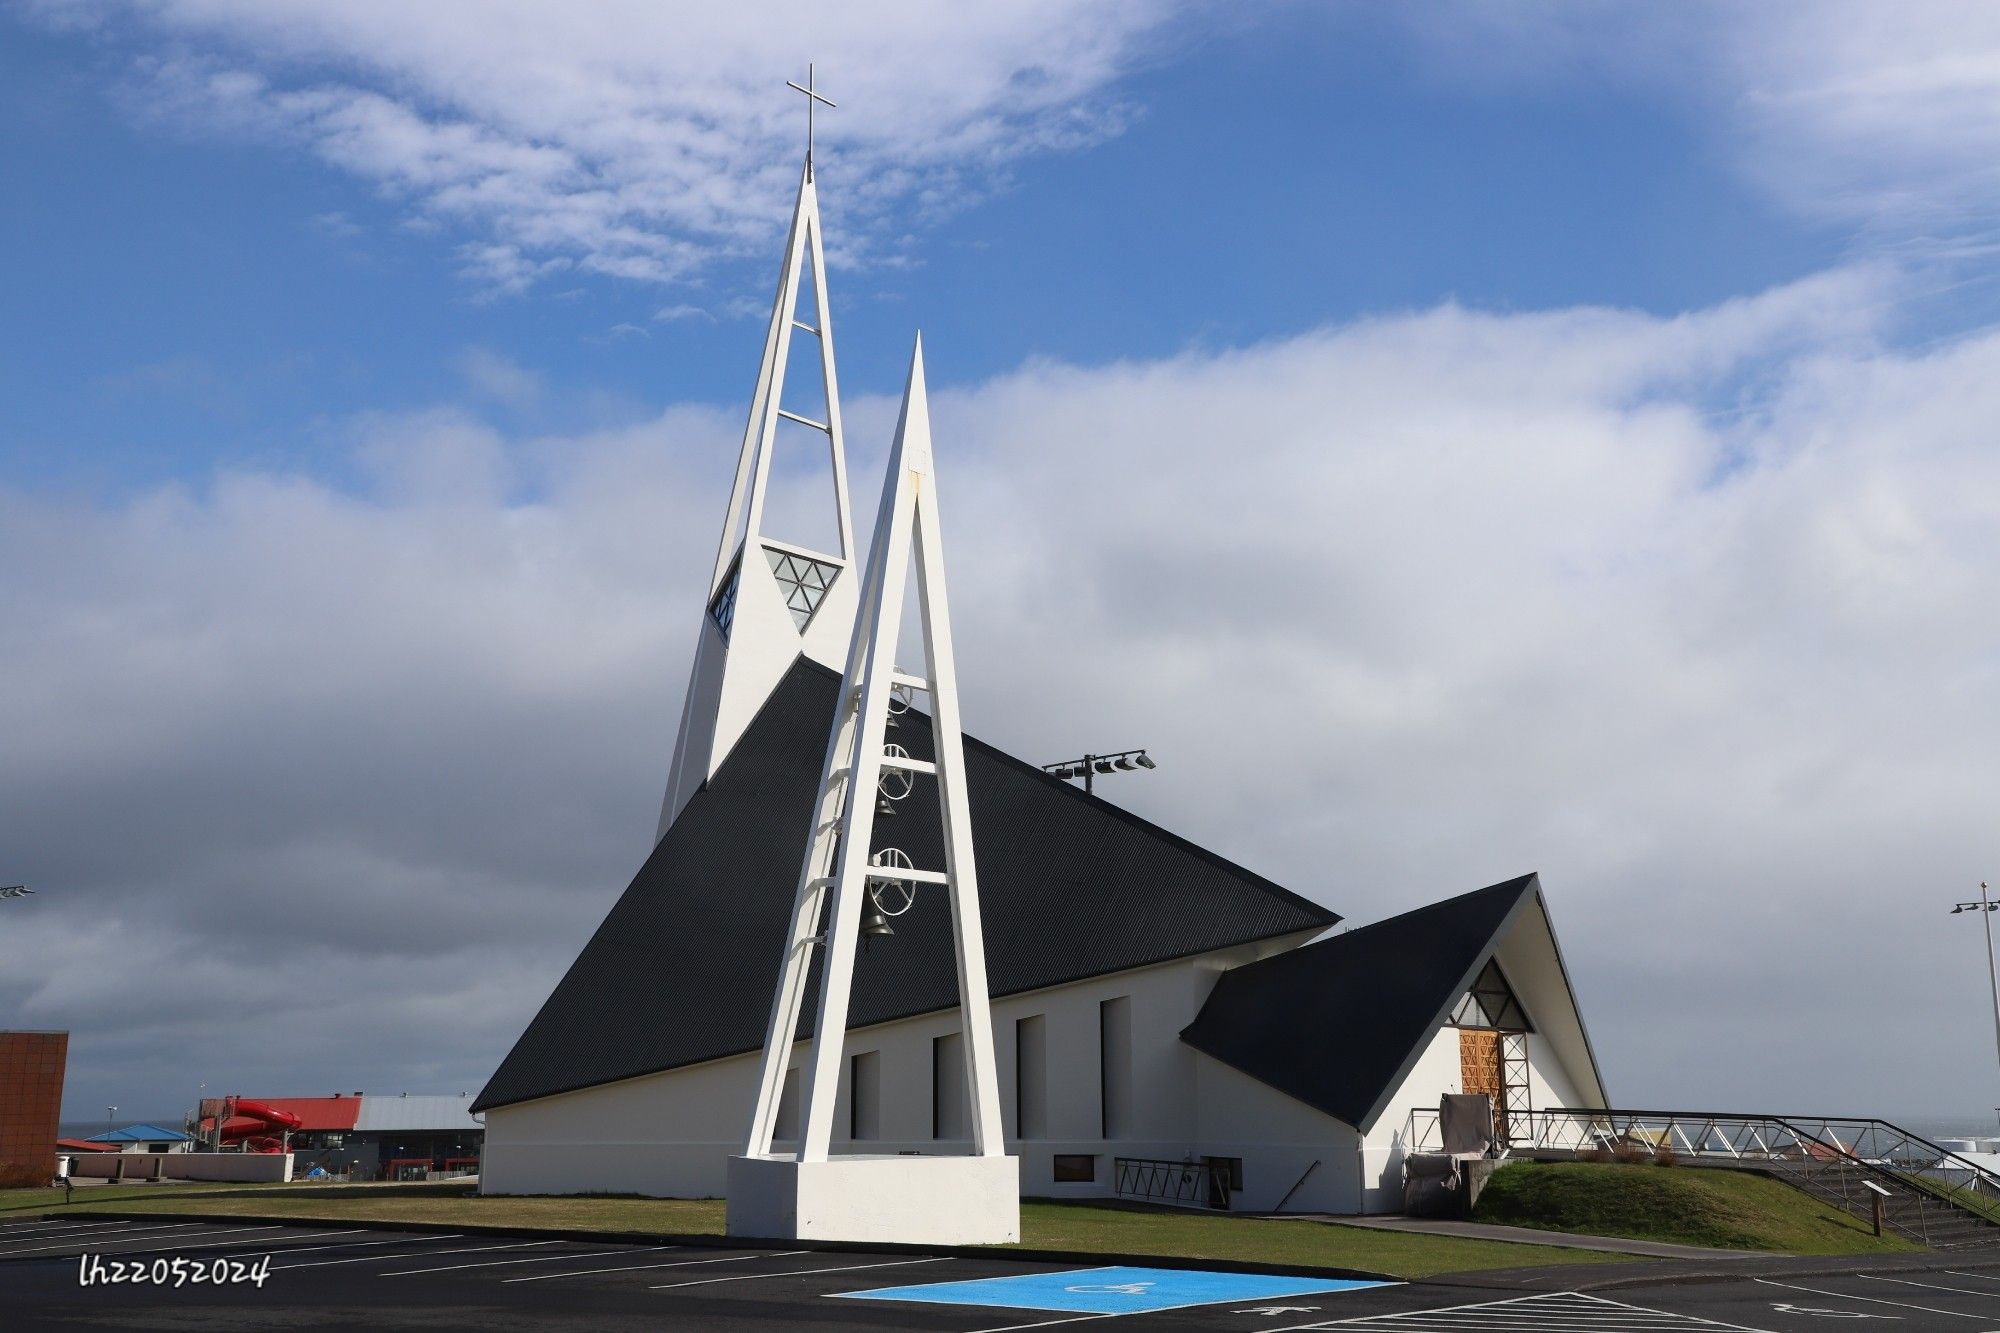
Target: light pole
x=1985 y=907
x=110 y=1122
x=1122 y=762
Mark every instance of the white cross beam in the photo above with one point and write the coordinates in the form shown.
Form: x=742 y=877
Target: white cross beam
x=813 y=97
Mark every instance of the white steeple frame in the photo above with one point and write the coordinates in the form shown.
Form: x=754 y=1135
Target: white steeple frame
x=881 y=1198
x=736 y=668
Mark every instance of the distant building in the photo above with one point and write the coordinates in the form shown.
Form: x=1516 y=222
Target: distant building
x=144 y=1137
x=371 y=1136
x=31 y=1084
x=84 y=1146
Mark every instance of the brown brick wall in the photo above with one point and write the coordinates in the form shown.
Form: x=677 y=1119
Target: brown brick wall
x=31 y=1084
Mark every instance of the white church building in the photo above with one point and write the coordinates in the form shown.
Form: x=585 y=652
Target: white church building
x=1161 y=1015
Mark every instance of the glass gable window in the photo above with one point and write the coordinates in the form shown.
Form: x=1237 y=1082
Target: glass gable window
x=802 y=580
x=1491 y=1004
x=723 y=609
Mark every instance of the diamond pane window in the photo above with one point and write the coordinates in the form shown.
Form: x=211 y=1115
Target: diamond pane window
x=802 y=580
x=723 y=608
x=1491 y=1004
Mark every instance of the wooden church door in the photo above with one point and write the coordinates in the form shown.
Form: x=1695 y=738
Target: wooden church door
x=1479 y=1071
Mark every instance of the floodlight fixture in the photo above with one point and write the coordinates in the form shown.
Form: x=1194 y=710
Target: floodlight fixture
x=15 y=891
x=1985 y=907
x=1124 y=761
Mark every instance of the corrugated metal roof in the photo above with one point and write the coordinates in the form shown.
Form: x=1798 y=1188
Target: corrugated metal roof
x=140 y=1133
x=414 y=1112
x=314 y=1113
x=683 y=968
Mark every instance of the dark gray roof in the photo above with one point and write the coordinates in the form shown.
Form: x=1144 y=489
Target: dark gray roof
x=1334 y=1024
x=683 y=968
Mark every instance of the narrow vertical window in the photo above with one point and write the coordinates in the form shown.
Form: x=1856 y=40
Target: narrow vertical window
x=864 y=1096
x=1114 y=1044
x=1031 y=1077
x=948 y=1110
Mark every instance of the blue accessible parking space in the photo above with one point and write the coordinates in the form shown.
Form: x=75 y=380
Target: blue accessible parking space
x=1114 y=1290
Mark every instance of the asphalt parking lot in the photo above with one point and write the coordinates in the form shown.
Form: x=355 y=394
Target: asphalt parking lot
x=326 y=1275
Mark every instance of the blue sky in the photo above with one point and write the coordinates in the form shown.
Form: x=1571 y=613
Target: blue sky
x=182 y=298
x=1457 y=439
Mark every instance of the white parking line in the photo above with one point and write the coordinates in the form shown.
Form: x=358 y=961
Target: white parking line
x=392 y=1258
x=535 y=1259
x=798 y=1272
x=1553 y=1312
x=1873 y=1300
x=133 y=1233
x=1963 y=1291
x=107 y=1230
x=274 y=1244
x=68 y=1228
x=410 y=1239
x=64 y=1222
x=1983 y=1277
x=676 y=1263
x=1072 y=1319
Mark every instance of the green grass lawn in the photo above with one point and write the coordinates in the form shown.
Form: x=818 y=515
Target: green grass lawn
x=1044 y=1225
x=1735 y=1210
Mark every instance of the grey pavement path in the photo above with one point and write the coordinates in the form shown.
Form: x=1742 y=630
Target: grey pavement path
x=1437 y=1226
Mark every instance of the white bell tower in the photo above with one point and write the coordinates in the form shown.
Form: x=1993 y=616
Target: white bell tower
x=972 y=1199
x=769 y=600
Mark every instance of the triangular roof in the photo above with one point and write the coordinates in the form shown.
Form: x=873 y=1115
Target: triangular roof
x=683 y=968
x=140 y=1133
x=1339 y=1023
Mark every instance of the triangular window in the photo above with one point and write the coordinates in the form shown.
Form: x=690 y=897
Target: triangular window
x=802 y=582
x=722 y=610
x=1491 y=1004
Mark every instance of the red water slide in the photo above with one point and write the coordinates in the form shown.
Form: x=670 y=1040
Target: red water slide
x=257 y=1135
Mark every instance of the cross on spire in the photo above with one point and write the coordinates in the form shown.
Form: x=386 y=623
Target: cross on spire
x=812 y=97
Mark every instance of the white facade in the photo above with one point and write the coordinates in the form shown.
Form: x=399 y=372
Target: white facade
x=1085 y=1073
x=671 y=1134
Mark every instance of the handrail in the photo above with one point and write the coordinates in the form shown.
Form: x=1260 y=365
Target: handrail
x=1186 y=1182
x=1295 y=1186
x=1816 y=1151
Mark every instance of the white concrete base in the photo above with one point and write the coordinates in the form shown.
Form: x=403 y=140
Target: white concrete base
x=913 y=1200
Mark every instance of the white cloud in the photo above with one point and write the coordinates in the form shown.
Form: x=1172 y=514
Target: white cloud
x=1885 y=117
x=499 y=377
x=636 y=139
x=1684 y=613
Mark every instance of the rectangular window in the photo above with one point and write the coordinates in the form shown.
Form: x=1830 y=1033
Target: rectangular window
x=787 y=1126
x=864 y=1096
x=1228 y=1171
x=1114 y=1044
x=1031 y=1077
x=948 y=1109
x=1075 y=1169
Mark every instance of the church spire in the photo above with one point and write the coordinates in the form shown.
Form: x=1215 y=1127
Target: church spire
x=814 y=1192
x=770 y=600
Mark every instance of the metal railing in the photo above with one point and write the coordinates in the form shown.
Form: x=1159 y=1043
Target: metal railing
x=1936 y=1191
x=1192 y=1184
